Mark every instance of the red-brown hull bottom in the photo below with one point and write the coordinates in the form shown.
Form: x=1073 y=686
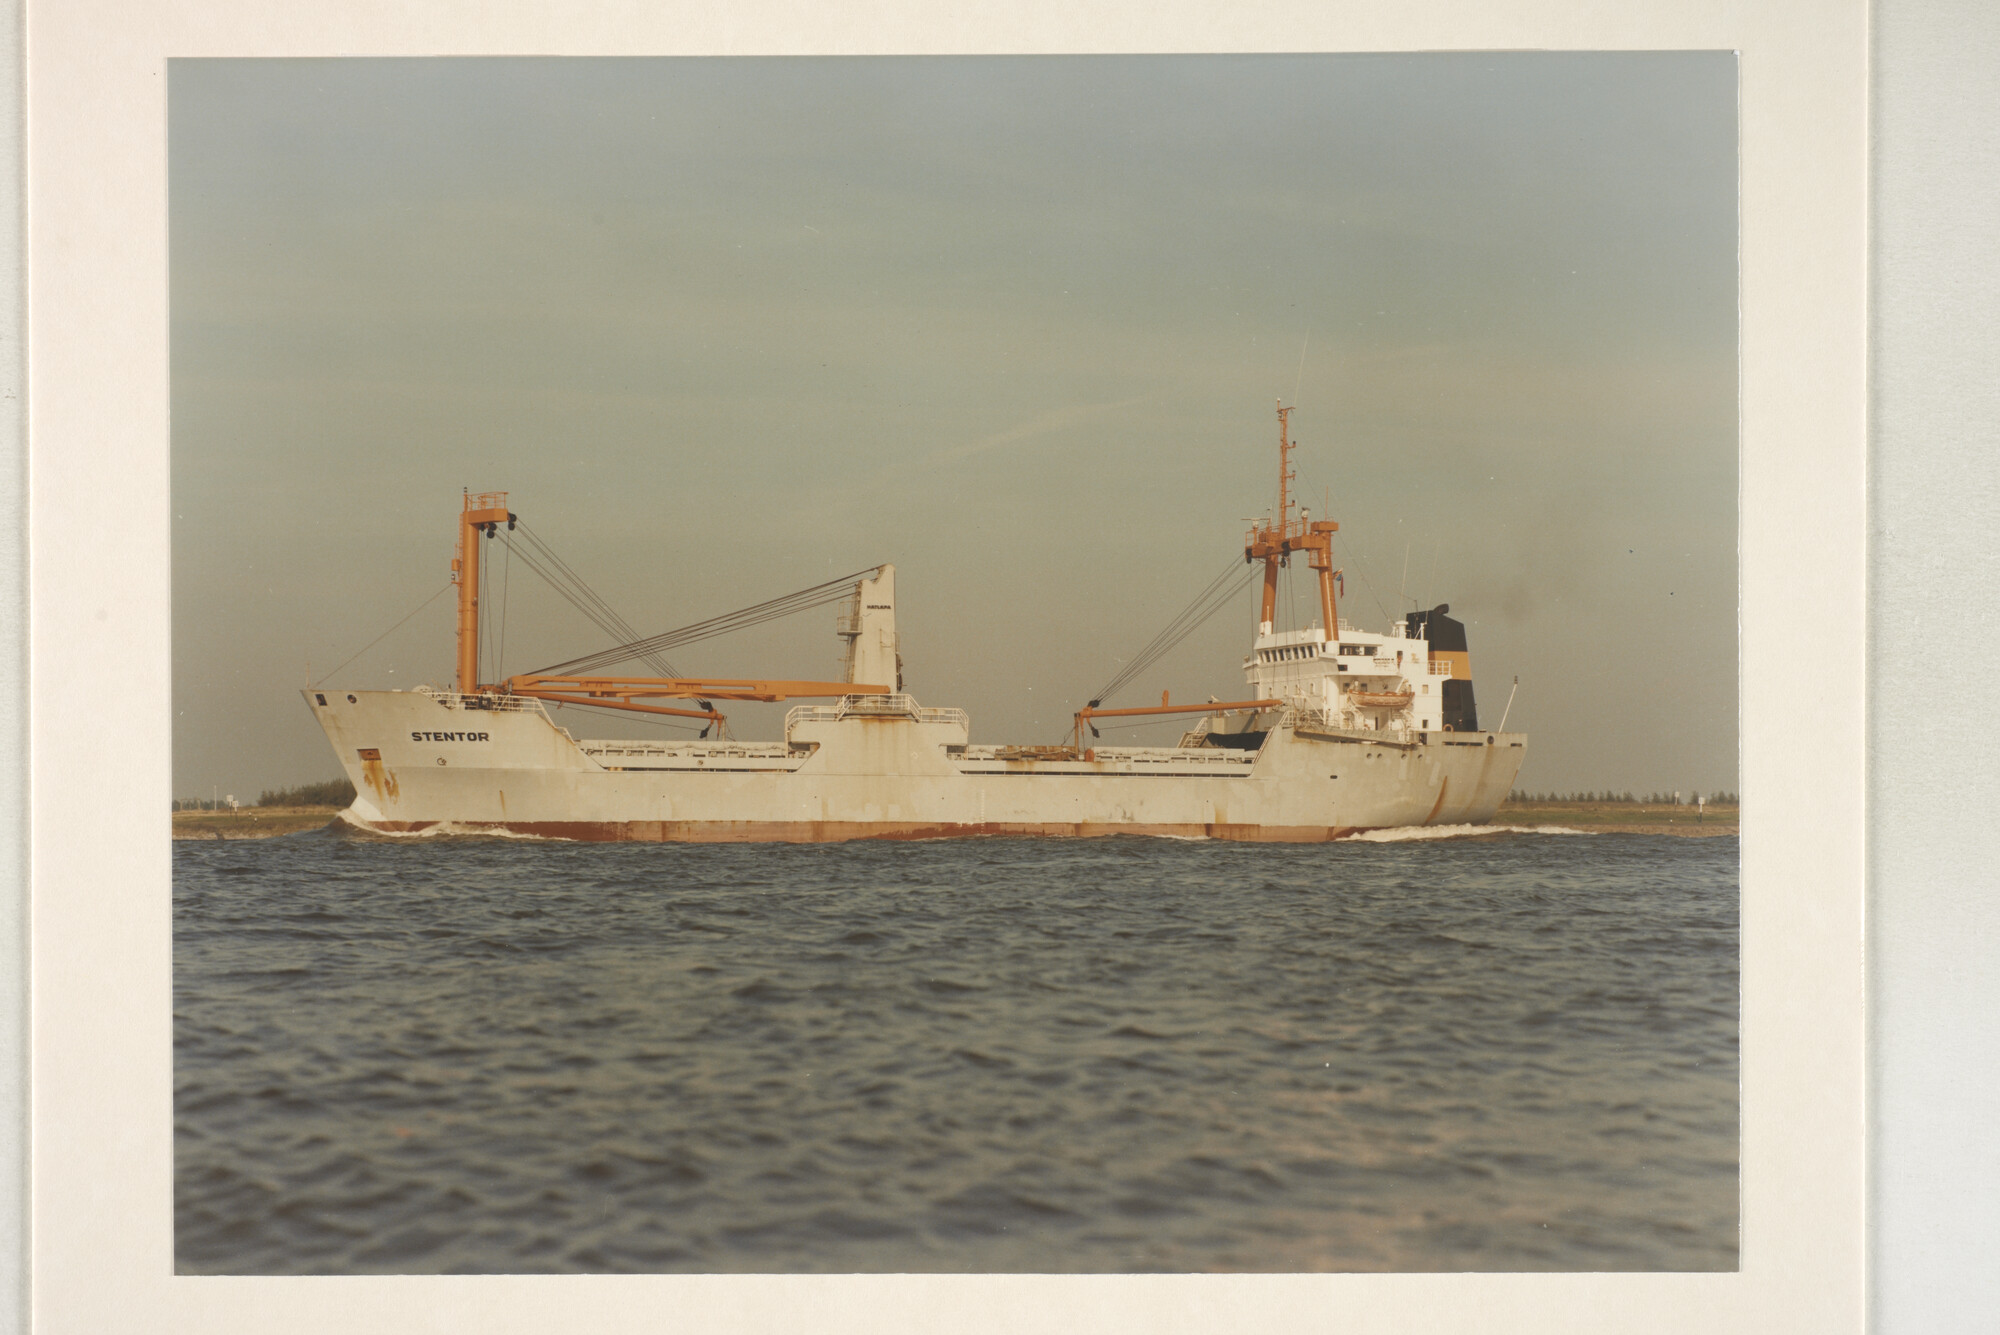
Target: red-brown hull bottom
x=828 y=832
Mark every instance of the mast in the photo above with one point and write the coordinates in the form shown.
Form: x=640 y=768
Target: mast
x=1285 y=470
x=482 y=514
x=1274 y=542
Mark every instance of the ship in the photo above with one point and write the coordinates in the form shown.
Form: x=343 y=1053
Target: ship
x=1343 y=731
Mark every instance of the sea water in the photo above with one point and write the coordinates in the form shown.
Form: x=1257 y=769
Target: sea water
x=1511 y=1052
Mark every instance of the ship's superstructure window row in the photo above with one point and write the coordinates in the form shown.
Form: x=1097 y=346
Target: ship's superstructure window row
x=1291 y=653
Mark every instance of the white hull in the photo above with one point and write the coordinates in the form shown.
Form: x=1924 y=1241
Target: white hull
x=881 y=768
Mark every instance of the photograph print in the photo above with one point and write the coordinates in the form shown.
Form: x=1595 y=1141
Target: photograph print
x=955 y=664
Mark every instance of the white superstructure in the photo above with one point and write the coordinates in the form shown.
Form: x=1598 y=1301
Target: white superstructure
x=1359 y=680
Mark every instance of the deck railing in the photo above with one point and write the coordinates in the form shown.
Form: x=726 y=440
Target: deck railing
x=874 y=706
x=504 y=704
x=713 y=750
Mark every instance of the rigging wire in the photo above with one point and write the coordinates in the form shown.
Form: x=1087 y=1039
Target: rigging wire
x=1220 y=591
x=818 y=595
x=387 y=633
x=579 y=584
x=1362 y=570
x=506 y=586
x=479 y=551
x=561 y=575
x=541 y=560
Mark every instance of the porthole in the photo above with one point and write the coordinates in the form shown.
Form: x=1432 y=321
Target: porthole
x=440 y=760
x=352 y=701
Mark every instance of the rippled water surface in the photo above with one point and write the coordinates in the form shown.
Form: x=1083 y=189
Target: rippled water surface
x=1509 y=1053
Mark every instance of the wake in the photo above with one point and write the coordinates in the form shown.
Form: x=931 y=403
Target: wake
x=1408 y=833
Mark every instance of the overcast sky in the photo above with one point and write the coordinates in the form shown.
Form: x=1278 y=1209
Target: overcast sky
x=725 y=328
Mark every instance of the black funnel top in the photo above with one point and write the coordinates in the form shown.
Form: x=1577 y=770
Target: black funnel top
x=1446 y=636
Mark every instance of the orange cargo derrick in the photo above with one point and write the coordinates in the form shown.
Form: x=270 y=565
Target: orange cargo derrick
x=626 y=692
x=1084 y=716
x=687 y=688
x=483 y=513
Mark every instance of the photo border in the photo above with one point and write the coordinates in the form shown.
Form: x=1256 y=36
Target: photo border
x=99 y=515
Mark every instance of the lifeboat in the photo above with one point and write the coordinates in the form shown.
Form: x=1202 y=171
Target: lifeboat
x=1382 y=699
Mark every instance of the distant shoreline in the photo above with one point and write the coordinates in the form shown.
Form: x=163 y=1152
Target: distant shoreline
x=1622 y=817
x=1596 y=817
x=252 y=822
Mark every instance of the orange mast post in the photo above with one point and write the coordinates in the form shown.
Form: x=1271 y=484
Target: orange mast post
x=1274 y=543
x=483 y=513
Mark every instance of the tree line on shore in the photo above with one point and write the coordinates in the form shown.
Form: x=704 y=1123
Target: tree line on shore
x=330 y=793
x=1651 y=800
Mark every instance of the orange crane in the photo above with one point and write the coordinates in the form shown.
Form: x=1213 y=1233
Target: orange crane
x=1273 y=543
x=483 y=513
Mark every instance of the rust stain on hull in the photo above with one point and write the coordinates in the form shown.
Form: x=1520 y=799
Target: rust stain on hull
x=379 y=780
x=1444 y=786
